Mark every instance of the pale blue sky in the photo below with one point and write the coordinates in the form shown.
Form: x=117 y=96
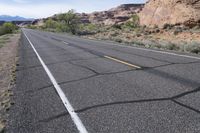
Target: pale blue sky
x=45 y=8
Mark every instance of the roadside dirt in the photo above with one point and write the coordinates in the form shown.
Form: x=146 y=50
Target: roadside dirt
x=8 y=60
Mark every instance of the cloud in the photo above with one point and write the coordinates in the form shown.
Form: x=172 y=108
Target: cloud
x=46 y=8
x=21 y=1
x=33 y=11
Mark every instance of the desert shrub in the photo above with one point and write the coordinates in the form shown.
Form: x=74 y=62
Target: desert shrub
x=197 y=27
x=167 y=26
x=171 y=46
x=129 y=25
x=155 y=26
x=114 y=34
x=177 y=30
x=142 y=28
x=138 y=34
x=91 y=27
x=135 y=19
x=157 y=30
x=133 y=23
x=118 y=40
x=138 y=43
x=88 y=27
x=193 y=47
x=51 y=24
x=7 y=28
x=156 y=45
x=117 y=26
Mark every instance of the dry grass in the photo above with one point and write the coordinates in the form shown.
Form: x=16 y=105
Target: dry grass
x=177 y=38
x=4 y=39
x=7 y=75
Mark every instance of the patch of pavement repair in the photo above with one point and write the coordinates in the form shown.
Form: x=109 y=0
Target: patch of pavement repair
x=8 y=60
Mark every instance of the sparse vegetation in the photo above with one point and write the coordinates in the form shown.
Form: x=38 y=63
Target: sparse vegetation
x=166 y=38
x=139 y=39
x=31 y=26
x=86 y=29
x=7 y=28
x=4 y=39
x=167 y=26
x=65 y=22
x=130 y=32
x=8 y=77
x=118 y=40
x=193 y=47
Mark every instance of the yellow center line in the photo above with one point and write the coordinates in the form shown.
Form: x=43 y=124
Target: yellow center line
x=123 y=62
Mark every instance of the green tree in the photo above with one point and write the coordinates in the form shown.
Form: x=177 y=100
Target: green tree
x=70 y=20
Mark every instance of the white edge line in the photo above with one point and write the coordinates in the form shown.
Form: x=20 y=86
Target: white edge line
x=60 y=92
x=65 y=42
x=145 y=49
x=162 y=52
x=150 y=50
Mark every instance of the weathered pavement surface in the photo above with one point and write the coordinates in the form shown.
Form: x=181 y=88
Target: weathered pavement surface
x=106 y=87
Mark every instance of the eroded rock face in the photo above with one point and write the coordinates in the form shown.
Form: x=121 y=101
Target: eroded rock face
x=113 y=16
x=160 y=12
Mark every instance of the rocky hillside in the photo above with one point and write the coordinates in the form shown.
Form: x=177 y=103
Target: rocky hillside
x=116 y=15
x=160 y=12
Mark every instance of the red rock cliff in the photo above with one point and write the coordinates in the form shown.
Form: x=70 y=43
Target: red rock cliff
x=160 y=12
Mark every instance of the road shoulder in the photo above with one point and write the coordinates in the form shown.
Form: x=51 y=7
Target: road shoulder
x=8 y=53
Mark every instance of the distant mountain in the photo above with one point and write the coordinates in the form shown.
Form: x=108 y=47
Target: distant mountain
x=13 y=18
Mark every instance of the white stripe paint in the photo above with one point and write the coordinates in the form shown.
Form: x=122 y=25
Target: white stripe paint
x=151 y=50
x=156 y=51
x=60 y=92
x=65 y=42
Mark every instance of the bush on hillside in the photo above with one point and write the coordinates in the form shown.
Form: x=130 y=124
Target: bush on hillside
x=51 y=24
x=133 y=23
x=168 y=26
x=117 y=26
x=193 y=47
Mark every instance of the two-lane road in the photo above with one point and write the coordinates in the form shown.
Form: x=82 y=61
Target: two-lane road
x=66 y=84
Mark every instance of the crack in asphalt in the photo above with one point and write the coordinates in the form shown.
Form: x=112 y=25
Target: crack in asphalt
x=23 y=68
x=121 y=102
x=186 y=93
x=82 y=66
x=176 y=78
x=76 y=80
x=38 y=89
x=186 y=106
x=153 y=71
x=160 y=60
x=46 y=120
x=173 y=99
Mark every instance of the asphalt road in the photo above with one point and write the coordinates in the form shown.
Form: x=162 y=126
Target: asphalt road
x=110 y=88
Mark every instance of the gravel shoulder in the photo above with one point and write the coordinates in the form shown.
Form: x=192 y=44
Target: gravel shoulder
x=8 y=59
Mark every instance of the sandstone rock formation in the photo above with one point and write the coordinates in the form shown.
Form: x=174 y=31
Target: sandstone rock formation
x=116 y=15
x=160 y=12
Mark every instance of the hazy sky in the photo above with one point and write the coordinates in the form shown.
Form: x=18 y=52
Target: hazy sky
x=45 y=8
